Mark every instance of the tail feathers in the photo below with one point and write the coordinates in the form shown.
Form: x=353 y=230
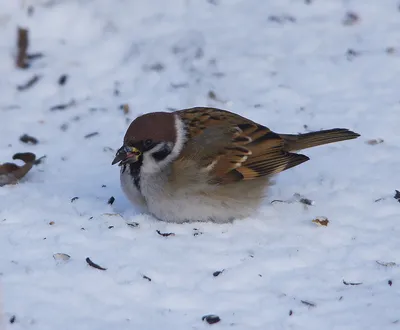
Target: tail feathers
x=313 y=139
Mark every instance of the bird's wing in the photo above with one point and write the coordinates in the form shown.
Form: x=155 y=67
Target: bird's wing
x=231 y=148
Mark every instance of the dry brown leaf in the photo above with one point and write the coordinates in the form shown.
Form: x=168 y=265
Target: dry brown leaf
x=321 y=221
x=11 y=173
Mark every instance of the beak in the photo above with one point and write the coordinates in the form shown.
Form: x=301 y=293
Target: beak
x=125 y=154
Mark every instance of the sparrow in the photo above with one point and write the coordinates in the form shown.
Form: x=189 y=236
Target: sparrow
x=207 y=164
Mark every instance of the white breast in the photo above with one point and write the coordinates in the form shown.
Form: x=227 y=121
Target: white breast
x=131 y=192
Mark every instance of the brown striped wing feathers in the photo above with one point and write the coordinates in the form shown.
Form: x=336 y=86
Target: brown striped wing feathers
x=234 y=148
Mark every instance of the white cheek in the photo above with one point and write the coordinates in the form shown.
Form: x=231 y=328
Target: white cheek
x=150 y=164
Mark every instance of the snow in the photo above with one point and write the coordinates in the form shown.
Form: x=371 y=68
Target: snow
x=171 y=54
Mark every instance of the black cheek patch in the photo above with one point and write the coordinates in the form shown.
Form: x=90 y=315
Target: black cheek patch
x=161 y=154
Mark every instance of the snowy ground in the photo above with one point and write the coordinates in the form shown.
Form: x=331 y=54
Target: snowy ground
x=283 y=63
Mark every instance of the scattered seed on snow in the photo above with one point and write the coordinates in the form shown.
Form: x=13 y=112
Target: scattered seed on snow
x=321 y=221
x=94 y=265
x=164 y=234
x=147 y=278
x=351 y=283
x=374 y=142
x=62 y=80
x=308 y=303
x=218 y=272
x=397 y=195
x=211 y=319
x=28 y=139
x=30 y=83
x=90 y=135
x=61 y=256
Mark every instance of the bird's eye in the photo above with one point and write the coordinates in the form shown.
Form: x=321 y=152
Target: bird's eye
x=148 y=143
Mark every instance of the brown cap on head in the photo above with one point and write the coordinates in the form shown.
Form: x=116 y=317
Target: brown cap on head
x=158 y=126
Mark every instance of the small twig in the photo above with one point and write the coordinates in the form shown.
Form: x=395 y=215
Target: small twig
x=92 y=264
x=31 y=82
x=22 y=45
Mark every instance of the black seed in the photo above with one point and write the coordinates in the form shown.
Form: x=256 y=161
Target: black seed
x=218 y=272
x=28 y=139
x=147 y=278
x=397 y=195
x=308 y=303
x=211 y=319
x=62 y=106
x=111 y=200
x=351 y=283
x=12 y=319
x=31 y=82
x=62 y=80
x=88 y=136
x=164 y=234
x=92 y=264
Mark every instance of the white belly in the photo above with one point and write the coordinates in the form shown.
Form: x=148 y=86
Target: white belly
x=219 y=205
